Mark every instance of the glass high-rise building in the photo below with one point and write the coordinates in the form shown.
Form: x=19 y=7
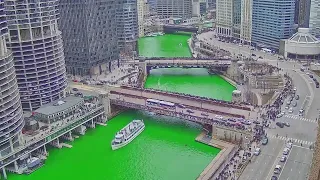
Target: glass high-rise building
x=37 y=49
x=11 y=116
x=314 y=21
x=174 y=8
x=272 y=20
x=89 y=31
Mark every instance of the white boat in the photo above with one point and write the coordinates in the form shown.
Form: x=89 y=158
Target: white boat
x=127 y=134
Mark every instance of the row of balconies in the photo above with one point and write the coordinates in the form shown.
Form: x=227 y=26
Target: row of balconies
x=8 y=114
x=24 y=90
x=7 y=75
x=55 y=42
x=54 y=50
x=10 y=99
x=40 y=76
x=41 y=69
x=6 y=67
x=45 y=98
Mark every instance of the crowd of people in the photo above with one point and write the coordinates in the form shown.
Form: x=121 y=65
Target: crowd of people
x=274 y=109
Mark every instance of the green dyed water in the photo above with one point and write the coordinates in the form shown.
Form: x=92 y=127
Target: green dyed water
x=165 y=150
x=168 y=45
x=196 y=81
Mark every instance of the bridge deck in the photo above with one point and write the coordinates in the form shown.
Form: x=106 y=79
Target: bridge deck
x=188 y=100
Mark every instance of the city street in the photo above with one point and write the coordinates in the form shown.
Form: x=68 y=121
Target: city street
x=302 y=130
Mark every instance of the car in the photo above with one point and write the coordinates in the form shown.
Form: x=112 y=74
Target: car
x=274 y=178
x=256 y=122
x=279 y=115
x=317 y=86
x=189 y=111
x=295 y=89
x=75 y=80
x=277 y=169
x=283 y=159
x=289 y=145
x=260 y=57
x=301 y=111
x=219 y=117
x=286 y=124
x=253 y=55
x=302 y=69
x=297 y=97
x=280 y=124
x=265 y=141
x=286 y=151
x=310 y=75
x=288 y=102
x=287 y=107
x=257 y=151
x=75 y=89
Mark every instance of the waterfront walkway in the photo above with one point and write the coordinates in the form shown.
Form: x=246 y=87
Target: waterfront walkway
x=218 y=164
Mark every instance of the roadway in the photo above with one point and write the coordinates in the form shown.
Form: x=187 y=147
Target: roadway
x=302 y=130
x=183 y=61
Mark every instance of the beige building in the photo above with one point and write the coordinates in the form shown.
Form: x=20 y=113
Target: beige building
x=141 y=9
x=246 y=21
x=224 y=17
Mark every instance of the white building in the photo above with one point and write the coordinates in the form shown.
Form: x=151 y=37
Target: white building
x=302 y=45
x=314 y=22
x=246 y=21
x=141 y=9
x=224 y=17
x=199 y=7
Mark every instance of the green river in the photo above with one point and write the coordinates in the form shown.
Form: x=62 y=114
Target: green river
x=166 y=150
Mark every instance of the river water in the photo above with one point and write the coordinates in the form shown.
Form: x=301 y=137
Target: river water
x=165 y=150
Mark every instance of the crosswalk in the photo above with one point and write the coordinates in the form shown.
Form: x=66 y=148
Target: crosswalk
x=300 y=118
x=299 y=141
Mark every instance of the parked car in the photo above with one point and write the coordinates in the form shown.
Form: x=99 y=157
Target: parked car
x=277 y=169
x=286 y=124
x=280 y=124
x=265 y=141
x=283 y=159
x=75 y=89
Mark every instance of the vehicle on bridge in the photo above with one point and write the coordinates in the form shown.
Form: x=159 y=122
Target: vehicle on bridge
x=163 y=104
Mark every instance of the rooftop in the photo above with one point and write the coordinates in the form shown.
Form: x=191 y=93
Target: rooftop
x=59 y=105
x=303 y=36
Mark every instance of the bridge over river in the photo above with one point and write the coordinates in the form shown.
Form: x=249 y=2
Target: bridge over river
x=193 y=108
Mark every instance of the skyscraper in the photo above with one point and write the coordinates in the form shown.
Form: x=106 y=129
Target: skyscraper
x=174 y=8
x=11 y=119
x=37 y=49
x=314 y=21
x=89 y=32
x=304 y=13
x=127 y=25
x=272 y=20
x=246 y=21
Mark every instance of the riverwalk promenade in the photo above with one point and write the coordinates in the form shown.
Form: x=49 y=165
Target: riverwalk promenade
x=218 y=164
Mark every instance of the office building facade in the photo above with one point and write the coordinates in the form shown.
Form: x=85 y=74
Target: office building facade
x=11 y=116
x=246 y=21
x=37 y=49
x=224 y=17
x=174 y=8
x=127 y=26
x=314 y=21
x=304 y=13
x=236 y=19
x=272 y=20
x=89 y=31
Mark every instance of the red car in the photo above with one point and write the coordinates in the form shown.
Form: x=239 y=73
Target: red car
x=75 y=80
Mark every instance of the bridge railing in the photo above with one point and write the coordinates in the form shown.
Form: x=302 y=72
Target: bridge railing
x=191 y=97
x=190 y=107
x=186 y=58
x=212 y=121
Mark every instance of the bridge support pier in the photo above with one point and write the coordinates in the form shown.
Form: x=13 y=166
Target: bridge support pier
x=4 y=173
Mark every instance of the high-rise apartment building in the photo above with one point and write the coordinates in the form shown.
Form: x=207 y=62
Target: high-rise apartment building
x=37 y=49
x=174 y=8
x=224 y=17
x=89 y=31
x=314 y=21
x=272 y=20
x=11 y=116
x=127 y=25
x=199 y=7
x=246 y=21
x=141 y=9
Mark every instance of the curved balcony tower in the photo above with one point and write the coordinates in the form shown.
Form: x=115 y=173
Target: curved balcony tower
x=37 y=50
x=11 y=118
